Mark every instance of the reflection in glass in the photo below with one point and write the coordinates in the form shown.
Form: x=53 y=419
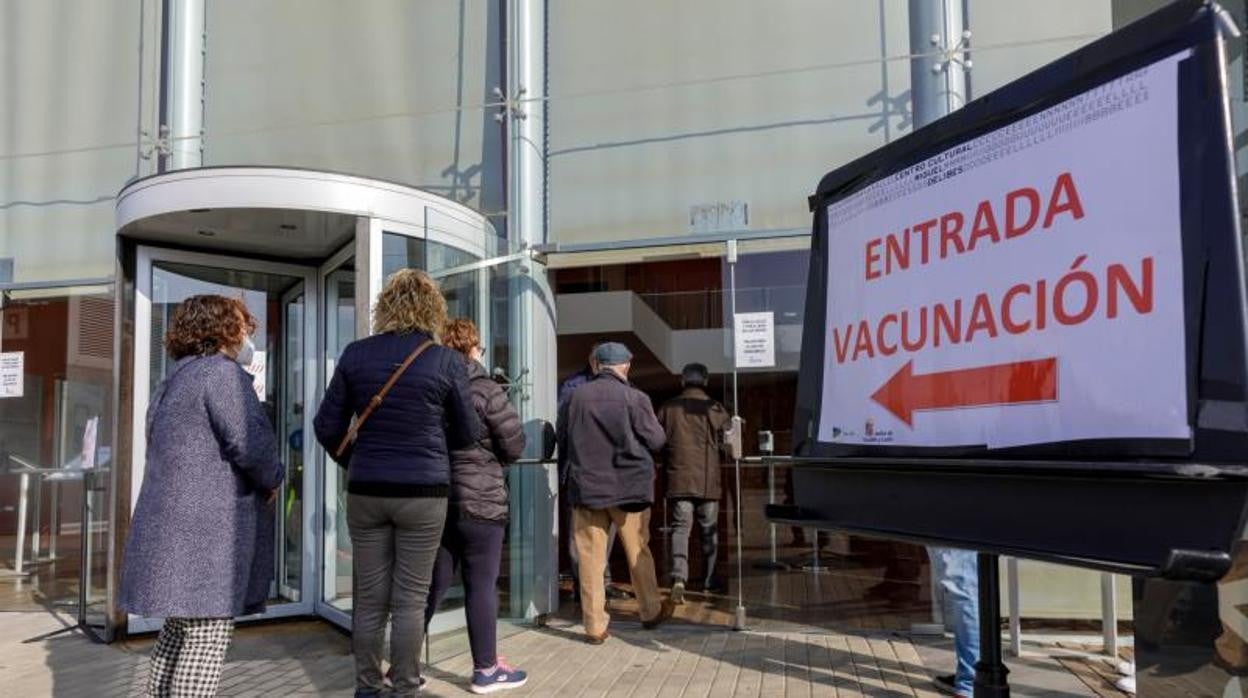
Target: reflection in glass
x=55 y=450
x=340 y=324
x=277 y=302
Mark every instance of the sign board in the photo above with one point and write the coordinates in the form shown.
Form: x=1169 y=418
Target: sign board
x=89 y=434
x=754 y=338
x=990 y=294
x=258 y=370
x=12 y=373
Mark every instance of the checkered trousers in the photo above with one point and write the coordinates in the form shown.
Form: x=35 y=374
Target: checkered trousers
x=188 y=657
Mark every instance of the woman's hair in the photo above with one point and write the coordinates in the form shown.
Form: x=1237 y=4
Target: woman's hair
x=207 y=324
x=461 y=335
x=410 y=302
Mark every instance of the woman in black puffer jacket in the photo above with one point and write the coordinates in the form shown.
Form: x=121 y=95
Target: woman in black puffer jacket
x=472 y=540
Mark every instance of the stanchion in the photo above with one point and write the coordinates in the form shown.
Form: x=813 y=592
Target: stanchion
x=815 y=565
x=991 y=676
x=771 y=563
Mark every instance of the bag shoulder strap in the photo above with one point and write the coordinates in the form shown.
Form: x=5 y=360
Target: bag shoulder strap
x=376 y=400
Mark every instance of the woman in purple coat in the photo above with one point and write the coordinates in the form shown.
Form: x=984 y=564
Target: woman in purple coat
x=199 y=551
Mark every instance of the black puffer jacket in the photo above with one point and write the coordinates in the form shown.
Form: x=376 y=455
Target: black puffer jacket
x=478 y=484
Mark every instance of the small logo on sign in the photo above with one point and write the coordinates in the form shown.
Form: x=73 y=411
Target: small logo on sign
x=869 y=429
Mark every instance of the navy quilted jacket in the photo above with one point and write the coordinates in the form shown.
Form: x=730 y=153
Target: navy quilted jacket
x=403 y=450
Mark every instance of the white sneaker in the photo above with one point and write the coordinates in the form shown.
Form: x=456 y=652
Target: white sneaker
x=678 y=593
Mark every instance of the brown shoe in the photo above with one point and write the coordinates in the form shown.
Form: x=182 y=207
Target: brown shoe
x=665 y=613
x=597 y=639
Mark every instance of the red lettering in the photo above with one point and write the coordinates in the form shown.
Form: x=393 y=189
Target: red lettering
x=923 y=229
x=1120 y=279
x=1063 y=187
x=1007 y=320
x=1041 y=301
x=863 y=344
x=842 y=348
x=873 y=258
x=981 y=318
x=885 y=348
x=1090 y=292
x=985 y=225
x=915 y=344
x=1012 y=227
x=952 y=326
x=899 y=250
x=950 y=227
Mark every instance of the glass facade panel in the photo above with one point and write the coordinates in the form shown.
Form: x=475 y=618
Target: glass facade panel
x=56 y=426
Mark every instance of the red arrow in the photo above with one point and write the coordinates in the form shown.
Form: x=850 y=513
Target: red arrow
x=1004 y=384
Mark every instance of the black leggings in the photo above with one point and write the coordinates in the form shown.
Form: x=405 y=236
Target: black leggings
x=475 y=548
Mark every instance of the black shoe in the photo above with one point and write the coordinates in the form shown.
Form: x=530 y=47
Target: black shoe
x=946 y=683
x=616 y=594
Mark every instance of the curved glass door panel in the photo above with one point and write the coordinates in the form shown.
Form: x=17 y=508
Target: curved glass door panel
x=339 y=289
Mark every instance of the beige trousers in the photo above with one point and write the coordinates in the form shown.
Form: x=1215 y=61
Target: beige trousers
x=589 y=530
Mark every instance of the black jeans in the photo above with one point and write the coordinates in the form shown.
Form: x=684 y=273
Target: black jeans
x=395 y=541
x=475 y=548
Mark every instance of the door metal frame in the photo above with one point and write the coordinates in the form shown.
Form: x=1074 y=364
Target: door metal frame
x=327 y=511
x=147 y=256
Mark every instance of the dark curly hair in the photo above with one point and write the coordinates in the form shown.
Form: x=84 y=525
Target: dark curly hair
x=204 y=325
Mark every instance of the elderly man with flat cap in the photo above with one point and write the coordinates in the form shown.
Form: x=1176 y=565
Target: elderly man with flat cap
x=609 y=432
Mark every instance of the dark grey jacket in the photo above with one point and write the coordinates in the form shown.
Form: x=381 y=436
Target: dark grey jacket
x=201 y=540
x=608 y=430
x=478 y=484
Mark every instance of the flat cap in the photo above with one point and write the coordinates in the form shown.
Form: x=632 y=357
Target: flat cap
x=612 y=354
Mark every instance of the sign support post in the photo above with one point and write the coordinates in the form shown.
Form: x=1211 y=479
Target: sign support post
x=990 y=672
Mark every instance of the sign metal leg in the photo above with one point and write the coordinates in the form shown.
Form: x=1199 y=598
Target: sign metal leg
x=990 y=673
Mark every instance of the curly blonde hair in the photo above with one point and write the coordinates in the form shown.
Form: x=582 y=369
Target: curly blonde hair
x=410 y=302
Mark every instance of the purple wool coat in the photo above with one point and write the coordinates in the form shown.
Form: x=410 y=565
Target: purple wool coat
x=200 y=543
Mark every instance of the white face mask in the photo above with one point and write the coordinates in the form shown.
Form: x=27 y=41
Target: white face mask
x=246 y=353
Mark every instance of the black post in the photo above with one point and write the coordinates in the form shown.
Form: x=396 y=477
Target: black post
x=990 y=672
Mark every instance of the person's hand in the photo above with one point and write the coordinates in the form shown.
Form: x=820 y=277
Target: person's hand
x=273 y=495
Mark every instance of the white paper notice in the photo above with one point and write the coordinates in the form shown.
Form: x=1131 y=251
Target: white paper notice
x=12 y=373
x=88 y=443
x=1023 y=287
x=259 y=369
x=755 y=335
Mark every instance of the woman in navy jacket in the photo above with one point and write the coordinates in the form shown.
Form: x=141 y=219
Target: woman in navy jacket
x=398 y=469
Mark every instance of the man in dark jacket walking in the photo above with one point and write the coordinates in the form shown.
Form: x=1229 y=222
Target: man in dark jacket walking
x=608 y=430
x=566 y=389
x=694 y=424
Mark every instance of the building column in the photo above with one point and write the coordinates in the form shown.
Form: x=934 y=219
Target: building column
x=532 y=327
x=938 y=35
x=182 y=88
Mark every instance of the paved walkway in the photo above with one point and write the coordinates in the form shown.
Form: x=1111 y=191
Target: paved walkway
x=311 y=658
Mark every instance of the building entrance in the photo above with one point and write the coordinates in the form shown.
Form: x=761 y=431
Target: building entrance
x=307 y=252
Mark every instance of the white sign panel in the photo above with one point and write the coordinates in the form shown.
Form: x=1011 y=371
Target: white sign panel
x=259 y=369
x=755 y=337
x=1023 y=287
x=12 y=374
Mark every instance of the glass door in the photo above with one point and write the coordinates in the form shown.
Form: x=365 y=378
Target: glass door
x=338 y=308
x=283 y=375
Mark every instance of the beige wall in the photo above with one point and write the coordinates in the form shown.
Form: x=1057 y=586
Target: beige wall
x=390 y=89
x=653 y=116
x=69 y=71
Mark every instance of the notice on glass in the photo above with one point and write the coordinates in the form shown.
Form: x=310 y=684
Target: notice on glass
x=259 y=370
x=989 y=295
x=755 y=340
x=12 y=373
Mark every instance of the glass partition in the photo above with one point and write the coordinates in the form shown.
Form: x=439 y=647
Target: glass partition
x=56 y=426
